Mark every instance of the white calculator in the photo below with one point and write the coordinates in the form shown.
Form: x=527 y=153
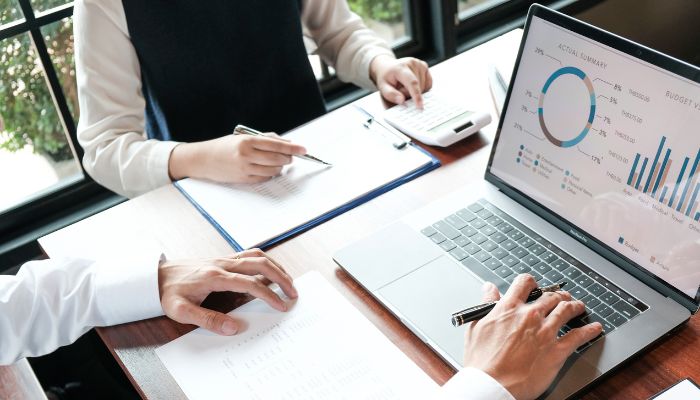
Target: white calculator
x=439 y=123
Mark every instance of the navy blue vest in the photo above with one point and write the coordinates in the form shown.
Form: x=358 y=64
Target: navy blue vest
x=209 y=65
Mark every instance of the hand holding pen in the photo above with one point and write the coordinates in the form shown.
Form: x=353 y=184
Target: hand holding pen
x=517 y=343
x=244 y=130
x=233 y=158
x=480 y=311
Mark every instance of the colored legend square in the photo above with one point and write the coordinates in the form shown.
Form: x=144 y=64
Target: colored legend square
x=621 y=240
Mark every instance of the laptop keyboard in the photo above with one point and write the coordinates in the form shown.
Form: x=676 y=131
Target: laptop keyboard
x=497 y=248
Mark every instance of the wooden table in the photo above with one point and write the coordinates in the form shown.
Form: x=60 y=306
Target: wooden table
x=165 y=216
x=18 y=382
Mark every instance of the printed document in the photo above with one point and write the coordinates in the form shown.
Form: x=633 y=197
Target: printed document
x=322 y=348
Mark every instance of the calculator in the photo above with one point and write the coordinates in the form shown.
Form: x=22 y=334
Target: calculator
x=440 y=123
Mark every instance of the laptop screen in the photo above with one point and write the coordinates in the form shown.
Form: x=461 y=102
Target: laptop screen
x=609 y=143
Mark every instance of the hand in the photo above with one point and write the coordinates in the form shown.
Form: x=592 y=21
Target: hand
x=233 y=158
x=400 y=79
x=184 y=285
x=517 y=344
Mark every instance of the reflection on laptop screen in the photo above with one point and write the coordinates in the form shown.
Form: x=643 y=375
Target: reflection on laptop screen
x=610 y=143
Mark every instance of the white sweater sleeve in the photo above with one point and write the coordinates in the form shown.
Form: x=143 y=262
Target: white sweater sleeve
x=343 y=40
x=111 y=129
x=51 y=303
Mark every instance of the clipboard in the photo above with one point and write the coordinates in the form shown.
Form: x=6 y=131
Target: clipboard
x=242 y=231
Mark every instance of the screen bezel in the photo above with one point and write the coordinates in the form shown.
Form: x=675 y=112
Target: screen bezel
x=635 y=50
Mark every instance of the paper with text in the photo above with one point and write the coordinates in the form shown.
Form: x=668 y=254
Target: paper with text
x=363 y=159
x=322 y=348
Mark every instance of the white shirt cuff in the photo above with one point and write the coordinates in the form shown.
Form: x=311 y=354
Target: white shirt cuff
x=158 y=162
x=474 y=384
x=127 y=290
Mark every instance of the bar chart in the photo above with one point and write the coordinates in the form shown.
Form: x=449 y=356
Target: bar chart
x=650 y=175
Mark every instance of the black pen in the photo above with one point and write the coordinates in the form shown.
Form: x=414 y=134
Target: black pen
x=480 y=311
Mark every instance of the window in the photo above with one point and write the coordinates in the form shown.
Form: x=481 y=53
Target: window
x=9 y=11
x=44 y=5
x=390 y=19
x=35 y=154
x=467 y=8
x=481 y=20
x=41 y=177
x=58 y=37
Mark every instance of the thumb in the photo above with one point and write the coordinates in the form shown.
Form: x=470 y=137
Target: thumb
x=210 y=320
x=490 y=292
x=390 y=93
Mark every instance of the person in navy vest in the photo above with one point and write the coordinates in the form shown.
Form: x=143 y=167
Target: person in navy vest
x=162 y=84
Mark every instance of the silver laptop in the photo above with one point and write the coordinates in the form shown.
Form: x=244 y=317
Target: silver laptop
x=592 y=180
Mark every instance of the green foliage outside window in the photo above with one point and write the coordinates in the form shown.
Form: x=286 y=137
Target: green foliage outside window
x=28 y=116
x=378 y=10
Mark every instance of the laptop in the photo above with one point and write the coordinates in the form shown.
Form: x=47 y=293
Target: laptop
x=592 y=180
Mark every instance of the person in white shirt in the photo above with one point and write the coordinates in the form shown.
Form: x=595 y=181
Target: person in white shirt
x=162 y=85
x=513 y=353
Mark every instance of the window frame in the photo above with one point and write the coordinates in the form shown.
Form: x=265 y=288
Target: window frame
x=503 y=17
x=43 y=208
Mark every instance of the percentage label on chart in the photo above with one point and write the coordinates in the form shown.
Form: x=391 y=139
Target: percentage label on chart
x=606 y=120
x=617 y=88
x=596 y=159
x=518 y=126
x=613 y=100
x=528 y=93
x=523 y=108
x=603 y=133
x=539 y=51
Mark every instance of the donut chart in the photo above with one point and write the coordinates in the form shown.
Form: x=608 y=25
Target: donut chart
x=540 y=109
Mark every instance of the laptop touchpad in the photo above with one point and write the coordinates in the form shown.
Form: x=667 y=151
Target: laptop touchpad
x=386 y=255
x=428 y=296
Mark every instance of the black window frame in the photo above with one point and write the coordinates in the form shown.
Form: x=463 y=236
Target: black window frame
x=41 y=210
x=503 y=17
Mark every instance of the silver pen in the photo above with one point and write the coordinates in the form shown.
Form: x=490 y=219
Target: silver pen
x=244 y=130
